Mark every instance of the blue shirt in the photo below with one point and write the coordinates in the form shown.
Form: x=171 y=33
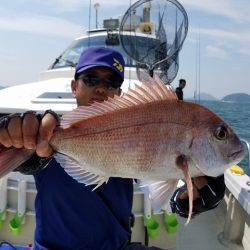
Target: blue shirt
x=70 y=215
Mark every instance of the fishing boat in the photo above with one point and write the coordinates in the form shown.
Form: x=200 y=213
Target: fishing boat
x=225 y=227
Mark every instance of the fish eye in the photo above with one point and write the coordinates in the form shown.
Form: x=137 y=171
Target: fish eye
x=221 y=133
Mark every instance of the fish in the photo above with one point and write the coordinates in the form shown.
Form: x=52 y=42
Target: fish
x=146 y=134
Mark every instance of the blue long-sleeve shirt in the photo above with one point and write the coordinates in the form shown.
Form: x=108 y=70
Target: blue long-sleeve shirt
x=70 y=215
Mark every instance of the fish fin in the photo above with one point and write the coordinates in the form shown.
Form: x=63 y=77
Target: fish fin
x=159 y=192
x=181 y=162
x=11 y=158
x=73 y=169
x=154 y=90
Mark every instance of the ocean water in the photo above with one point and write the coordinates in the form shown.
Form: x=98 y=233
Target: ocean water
x=237 y=115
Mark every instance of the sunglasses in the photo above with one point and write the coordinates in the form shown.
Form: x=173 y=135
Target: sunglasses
x=92 y=81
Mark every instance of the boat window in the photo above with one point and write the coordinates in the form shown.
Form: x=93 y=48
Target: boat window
x=70 y=57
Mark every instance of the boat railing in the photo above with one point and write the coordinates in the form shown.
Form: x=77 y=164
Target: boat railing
x=248 y=149
x=237 y=218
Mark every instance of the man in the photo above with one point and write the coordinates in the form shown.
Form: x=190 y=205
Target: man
x=68 y=214
x=179 y=90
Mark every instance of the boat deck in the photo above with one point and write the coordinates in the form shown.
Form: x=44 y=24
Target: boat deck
x=201 y=233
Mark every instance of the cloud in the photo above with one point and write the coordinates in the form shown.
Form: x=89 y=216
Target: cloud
x=240 y=36
x=38 y=24
x=66 y=5
x=73 y=5
x=237 y=10
x=216 y=52
x=233 y=41
x=245 y=52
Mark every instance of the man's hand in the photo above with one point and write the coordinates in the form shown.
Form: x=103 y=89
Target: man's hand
x=208 y=192
x=29 y=133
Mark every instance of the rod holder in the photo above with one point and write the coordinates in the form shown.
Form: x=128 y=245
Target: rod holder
x=3 y=200
x=150 y=220
x=147 y=207
x=18 y=220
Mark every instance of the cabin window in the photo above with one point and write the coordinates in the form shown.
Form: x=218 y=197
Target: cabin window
x=72 y=54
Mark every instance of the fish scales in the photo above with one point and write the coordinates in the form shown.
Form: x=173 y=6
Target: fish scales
x=139 y=141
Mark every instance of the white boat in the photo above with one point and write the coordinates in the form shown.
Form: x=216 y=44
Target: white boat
x=226 y=227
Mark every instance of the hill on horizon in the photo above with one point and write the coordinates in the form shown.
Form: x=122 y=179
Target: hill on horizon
x=204 y=97
x=237 y=97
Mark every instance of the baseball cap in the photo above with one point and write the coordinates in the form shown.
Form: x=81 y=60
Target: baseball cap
x=101 y=56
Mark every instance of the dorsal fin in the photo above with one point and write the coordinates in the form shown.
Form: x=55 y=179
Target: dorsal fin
x=156 y=90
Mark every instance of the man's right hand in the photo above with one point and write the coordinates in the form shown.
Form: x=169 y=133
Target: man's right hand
x=30 y=133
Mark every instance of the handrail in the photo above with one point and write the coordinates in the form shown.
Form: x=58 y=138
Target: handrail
x=248 y=149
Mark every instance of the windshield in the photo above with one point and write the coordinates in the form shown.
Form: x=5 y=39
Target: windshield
x=70 y=57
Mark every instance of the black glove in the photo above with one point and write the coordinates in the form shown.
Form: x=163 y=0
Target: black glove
x=210 y=196
x=35 y=163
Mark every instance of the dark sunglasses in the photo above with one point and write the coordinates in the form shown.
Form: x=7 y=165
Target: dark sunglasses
x=92 y=81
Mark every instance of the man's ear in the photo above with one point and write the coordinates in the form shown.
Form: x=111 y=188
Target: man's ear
x=73 y=87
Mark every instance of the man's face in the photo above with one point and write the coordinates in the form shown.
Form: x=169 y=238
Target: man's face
x=86 y=95
x=182 y=85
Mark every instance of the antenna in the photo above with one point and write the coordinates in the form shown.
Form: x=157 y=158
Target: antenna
x=97 y=7
x=90 y=3
x=198 y=68
x=199 y=61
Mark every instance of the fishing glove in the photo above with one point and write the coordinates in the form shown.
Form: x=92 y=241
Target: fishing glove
x=35 y=163
x=210 y=196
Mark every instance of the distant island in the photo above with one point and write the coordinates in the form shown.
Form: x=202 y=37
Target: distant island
x=238 y=97
x=204 y=97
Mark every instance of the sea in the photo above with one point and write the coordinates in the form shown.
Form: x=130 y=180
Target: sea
x=237 y=115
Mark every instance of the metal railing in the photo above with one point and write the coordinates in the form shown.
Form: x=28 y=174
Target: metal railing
x=248 y=149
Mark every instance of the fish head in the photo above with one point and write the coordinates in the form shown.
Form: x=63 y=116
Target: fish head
x=215 y=146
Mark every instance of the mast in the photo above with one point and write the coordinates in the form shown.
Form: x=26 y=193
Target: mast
x=97 y=7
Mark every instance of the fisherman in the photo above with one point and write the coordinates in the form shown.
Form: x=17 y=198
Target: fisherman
x=179 y=90
x=70 y=215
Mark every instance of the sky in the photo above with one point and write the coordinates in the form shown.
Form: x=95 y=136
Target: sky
x=34 y=32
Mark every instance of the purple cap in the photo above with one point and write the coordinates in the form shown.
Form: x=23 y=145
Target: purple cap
x=101 y=56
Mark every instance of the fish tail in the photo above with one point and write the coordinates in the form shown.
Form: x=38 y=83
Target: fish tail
x=11 y=158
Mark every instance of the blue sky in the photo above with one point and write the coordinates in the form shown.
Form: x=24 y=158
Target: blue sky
x=34 y=32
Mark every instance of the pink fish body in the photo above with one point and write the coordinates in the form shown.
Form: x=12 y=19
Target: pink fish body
x=141 y=135
x=141 y=138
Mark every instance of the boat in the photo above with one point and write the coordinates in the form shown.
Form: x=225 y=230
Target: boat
x=225 y=227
